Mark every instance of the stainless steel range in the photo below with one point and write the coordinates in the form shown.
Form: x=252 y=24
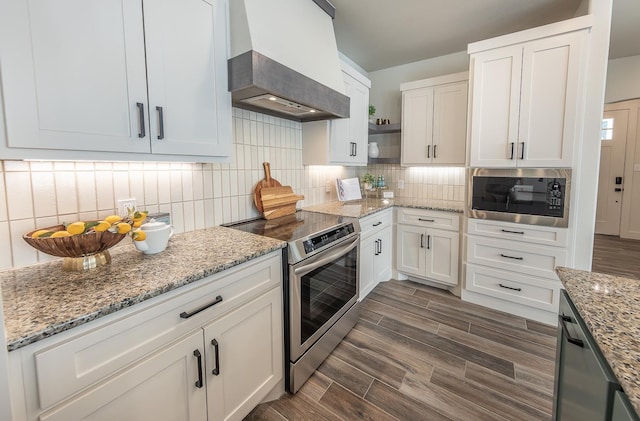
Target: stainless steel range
x=321 y=285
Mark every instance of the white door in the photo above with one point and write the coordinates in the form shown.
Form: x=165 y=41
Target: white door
x=160 y=387
x=450 y=124
x=73 y=73
x=368 y=253
x=417 y=126
x=410 y=248
x=495 y=107
x=248 y=353
x=187 y=73
x=382 y=261
x=548 y=101
x=442 y=255
x=610 y=181
x=349 y=135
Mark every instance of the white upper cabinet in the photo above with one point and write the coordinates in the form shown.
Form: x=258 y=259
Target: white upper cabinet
x=341 y=141
x=526 y=102
x=434 y=120
x=95 y=76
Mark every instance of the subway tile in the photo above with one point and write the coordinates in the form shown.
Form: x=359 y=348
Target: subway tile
x=217 y=184
x=136 y=186
x=23 y=254
x=164 y=186
x=41 y=166
x=104 y=190
x=87 y=192
x=187 y=185
x=177 y=217
x=150 y=184
x=188 y=216
x=207 y=181
x=217 y=211
x=226 y=186
x=198 y=214
x=209 y=220
x=18 y=191
x=176 y=185
x=44 y=194
x=198 y=184
x=3 y=199
x=5 y=246
x=120 y=185
x=16 y=166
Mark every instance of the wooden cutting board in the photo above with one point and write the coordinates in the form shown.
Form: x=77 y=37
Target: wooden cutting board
x=267 y=181
x=278 y=201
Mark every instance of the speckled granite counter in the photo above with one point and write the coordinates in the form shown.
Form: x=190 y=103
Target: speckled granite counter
x=610 y=307
x=364 y=207
x=42 y=300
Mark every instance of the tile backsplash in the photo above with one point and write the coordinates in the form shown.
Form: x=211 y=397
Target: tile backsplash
x=42 y=193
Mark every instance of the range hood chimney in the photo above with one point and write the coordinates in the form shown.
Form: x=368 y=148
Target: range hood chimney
x=285 y=59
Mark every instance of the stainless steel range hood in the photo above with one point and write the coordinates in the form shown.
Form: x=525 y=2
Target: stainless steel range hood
x=285 y=59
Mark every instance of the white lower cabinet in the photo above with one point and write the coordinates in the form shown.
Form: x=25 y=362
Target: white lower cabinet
x=376 y=250
x=211 y=350
x=511 y=267
x=427 y=252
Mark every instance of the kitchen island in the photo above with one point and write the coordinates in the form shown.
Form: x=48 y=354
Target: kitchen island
x=609 y=306
x=42 y=300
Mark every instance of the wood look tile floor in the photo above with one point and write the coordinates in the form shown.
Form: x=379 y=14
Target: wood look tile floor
x=616 y=256
x=420 y=353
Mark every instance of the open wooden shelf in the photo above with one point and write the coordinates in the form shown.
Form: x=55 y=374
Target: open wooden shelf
x=384 y=128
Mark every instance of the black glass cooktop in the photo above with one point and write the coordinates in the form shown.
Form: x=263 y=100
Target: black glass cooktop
x=291 y=227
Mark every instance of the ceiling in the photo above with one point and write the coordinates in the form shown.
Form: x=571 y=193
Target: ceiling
x=378 y=34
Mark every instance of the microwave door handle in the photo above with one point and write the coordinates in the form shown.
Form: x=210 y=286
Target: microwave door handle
x=340 y=250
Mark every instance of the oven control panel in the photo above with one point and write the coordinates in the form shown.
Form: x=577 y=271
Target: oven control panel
x=317 y=242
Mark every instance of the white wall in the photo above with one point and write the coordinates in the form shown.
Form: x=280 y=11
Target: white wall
x=623 y=79
x=385 y=84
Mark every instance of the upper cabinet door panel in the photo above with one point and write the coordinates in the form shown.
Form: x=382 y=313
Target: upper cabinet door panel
x=187 y=74
x=550 y=76
x=495 y=105
x=449 y=123
x=72 y=74
x=417 y=126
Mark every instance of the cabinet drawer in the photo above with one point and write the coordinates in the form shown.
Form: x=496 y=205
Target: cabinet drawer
x=530 y=259
x=375 y=223
x=517 y=288
x=519 y=232
x=429 y=218
x=67 y=367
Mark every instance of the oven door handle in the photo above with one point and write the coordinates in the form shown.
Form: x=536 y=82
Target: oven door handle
x=337 y=251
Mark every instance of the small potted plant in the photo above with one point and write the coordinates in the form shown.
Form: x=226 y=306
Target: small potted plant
x=368 y=181
x=372 y=111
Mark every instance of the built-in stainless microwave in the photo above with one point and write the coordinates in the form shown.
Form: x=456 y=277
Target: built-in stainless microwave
x=537 y=196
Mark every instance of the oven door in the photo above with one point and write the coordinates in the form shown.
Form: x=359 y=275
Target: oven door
x=321 y=289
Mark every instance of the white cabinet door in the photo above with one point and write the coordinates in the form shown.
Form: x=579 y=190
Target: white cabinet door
x=526 y=103
x=72 y=74
x=442 y=255
x=383 y=258
x=417 y=126
x=160 y=387
x=187 y=77
x=495 y=107
x=245 y=347
x=410 y=243
x=368 y=255
x=549 y=101
x=349 y=135
x=450 y=124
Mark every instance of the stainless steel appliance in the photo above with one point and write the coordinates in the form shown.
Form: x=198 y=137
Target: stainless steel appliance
x=537 y=196
x=321 y=285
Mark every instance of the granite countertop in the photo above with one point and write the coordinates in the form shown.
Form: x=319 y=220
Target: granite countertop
x=42 y=300
x=367 y=206
x=610 y=308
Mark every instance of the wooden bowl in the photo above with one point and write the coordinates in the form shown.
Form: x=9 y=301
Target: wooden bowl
x=73 y=246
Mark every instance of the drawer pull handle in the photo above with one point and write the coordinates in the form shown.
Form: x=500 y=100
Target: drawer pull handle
x=512 y=288
x=428 y=242
x=426 y=220
x=511 y=257
x=198 y=355
x=379 y=245
x=522 y=151
x=511 y=150
x=377 y=223
x=562 y=319
x=512 y=232
x=185 y=315
x=428 y=151
x=216 y=352
x=421 y=241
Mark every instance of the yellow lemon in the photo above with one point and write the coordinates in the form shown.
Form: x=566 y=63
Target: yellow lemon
x=76 y=228
x=112 y=219
x=102 y=226
x=60 y=234
x=139 y=235
x=39 y=233
x=123 y=228
x=139 y=216
x=137 y=224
